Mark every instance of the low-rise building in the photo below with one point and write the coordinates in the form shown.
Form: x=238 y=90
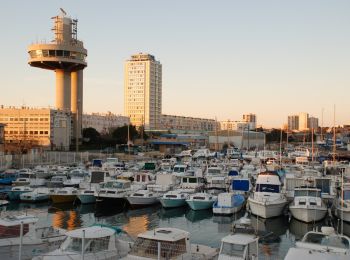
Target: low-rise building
x=31 y=127
x=235 y=125
x=104 y=122
x=187 y=124
x=245 y=139
x=2 y=138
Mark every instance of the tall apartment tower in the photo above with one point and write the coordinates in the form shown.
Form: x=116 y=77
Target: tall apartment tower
x=143 y=91
x=303 y=121
x=251 y=120
x=293 y=123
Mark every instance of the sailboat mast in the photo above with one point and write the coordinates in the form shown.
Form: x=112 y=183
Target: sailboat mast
x=334 y=140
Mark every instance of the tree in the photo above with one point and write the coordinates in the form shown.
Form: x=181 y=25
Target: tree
x=91 y=135
x=120 y=134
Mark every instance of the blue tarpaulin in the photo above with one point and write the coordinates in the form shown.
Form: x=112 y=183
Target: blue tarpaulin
x=242 y=185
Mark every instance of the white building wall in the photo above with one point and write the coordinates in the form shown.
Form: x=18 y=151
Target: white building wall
x=104 y=122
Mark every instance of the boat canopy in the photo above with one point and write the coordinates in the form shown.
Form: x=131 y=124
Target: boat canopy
x=242 y=185
x=91 y=232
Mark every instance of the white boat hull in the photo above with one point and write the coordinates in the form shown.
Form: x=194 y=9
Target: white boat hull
x=226 y=210
x=308 y=214
x=343 y=214
x=139 y=201
x=266 y=210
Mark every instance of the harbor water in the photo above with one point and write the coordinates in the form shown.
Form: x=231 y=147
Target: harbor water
x=205 y=228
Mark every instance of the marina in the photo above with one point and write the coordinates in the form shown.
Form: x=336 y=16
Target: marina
x=141 y=197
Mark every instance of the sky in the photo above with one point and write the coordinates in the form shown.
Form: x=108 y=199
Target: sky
x=220 y=58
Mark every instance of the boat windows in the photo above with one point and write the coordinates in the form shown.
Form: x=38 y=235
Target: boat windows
x=267 y=188
x=171 y=196
x=13 y=231
x=346 y=194
x=214 y=171
x=198 y=198
x=192 y=180
x=97 y=245
x=232 y=250
x=137 y=195
x=149 y=248
x=329 y=241
x=307 y=193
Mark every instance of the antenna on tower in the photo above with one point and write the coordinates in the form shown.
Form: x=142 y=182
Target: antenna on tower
x=63 y=12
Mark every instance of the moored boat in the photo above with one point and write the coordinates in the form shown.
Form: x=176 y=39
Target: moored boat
x=173 y=199
x=37 y=195
x=307 y=205
x=63 y=195
x=228 y=203
x=267 y=201
x=199 y=201
x=143 y=198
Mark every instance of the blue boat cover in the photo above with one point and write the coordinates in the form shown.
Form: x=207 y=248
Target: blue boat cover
x=233 y=173
x=242 y=185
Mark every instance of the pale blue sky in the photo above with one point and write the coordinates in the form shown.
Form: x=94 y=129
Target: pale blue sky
x=220 y=58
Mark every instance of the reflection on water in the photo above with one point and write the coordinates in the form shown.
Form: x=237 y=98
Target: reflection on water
x=278 y=225
x=67 y=219
x=202 y=225
x=299 y=229
x=172 y=212
x=198 y=215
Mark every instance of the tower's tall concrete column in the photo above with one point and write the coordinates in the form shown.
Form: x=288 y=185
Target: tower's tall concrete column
x=63 y=81
x=77 y=101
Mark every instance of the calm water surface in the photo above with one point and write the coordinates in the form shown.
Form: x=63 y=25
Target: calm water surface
x=203 y=226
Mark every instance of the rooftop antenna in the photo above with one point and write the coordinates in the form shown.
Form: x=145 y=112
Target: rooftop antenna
x=63 y=12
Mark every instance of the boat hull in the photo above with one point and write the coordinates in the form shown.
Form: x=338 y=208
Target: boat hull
x=266 y=210
x=343 y=214
x=63 y=198
x=226 y=210
x=308 y=214
x=15 y=195
x=140 y=202
x=25 y=197
x=172 y=203
x=87 y=199
x=199 y=205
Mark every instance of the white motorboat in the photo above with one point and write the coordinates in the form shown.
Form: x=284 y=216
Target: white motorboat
x=239 y=246
x=173 y=199
x=142 y=198
x=307 y=205
x=15 y=192
x=90 y=243
x=28 y=178
x=114 y=192
x=342 y=203
x=37 y=195
x=199 y=201
x=168 y=243
x=267 y=201
x=321 y=245
x=57 y=181
x=228 y=203
x=33 y=237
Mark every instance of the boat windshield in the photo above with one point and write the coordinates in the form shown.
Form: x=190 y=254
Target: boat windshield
x=113 y=185
x=267 y=188
x=329 y=241
x=179 y=169
x=214 y=171
x=346 y=194
x=232 y=250
x=91 y=245
x=310 y=193
x=149 y=248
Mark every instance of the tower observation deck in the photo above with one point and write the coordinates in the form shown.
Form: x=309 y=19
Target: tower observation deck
x=65 y=55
